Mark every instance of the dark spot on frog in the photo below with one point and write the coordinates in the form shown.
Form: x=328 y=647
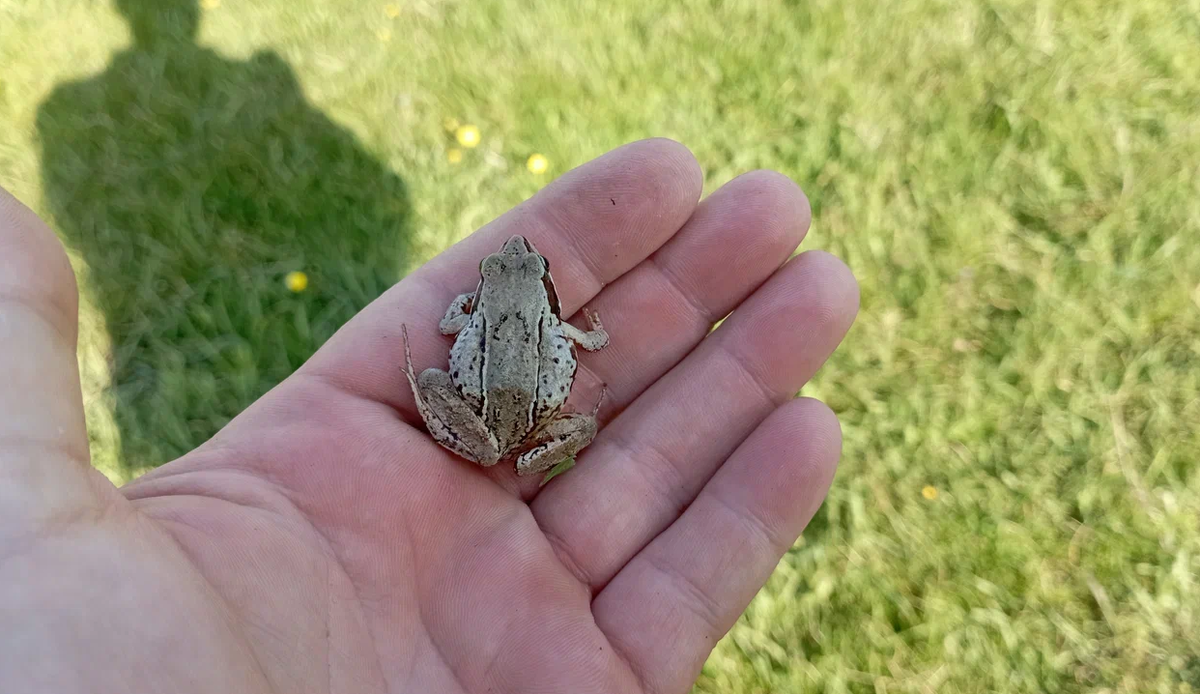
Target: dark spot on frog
x=455 y=374
x=556 y=360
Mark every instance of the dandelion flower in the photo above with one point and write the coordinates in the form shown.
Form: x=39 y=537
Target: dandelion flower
x=384 y=35
x=392 y=10
x=467 y=136
x=537 y=164
x=210 y=4
x=454 y=155
x=929 y=492
x=296 y=281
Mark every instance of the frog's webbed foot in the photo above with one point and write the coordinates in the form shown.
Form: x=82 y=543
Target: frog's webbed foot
x=593 y=339
x=450 y=420
x=457 y=316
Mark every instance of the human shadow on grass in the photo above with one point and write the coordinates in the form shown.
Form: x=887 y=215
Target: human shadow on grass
x=191 y=185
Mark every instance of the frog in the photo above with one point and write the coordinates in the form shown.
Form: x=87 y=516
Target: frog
x=511 y=368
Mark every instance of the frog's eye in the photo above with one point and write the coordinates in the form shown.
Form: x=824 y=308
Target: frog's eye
x=535 y=264
x=490 y=267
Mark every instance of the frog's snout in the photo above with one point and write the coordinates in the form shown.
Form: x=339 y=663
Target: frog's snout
x=517 y=245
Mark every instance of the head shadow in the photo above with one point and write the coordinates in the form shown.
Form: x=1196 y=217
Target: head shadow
x=162 y=23
x=191 y=184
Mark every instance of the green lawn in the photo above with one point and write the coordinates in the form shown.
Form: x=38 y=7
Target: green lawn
x=1016 y=184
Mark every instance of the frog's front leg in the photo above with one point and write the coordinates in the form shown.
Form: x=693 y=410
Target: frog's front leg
x=450 y=419
x=593 y=339
x=457 y=316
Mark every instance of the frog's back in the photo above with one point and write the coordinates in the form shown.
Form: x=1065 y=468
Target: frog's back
x=510 y=371
x=500 y=361
x=556 y=368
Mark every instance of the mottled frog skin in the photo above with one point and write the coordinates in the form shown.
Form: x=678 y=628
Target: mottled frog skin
x=511 y=368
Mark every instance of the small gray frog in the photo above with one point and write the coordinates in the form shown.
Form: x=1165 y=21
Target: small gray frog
x=511 y=368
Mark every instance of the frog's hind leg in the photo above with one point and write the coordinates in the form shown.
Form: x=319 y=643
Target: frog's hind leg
x=450 y=420
x=562 y=438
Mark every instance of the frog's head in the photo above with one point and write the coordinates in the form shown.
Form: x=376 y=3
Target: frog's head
x=517 y=255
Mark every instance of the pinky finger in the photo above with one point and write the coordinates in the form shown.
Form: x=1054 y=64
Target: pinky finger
x=668 y=607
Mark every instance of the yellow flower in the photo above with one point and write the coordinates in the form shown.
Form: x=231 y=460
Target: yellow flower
x=467 y=136
x=210 y=4
x=537 y=164
x=384 y=35
x=392 y=10
x=929 y=492
x=454 y=155
x=296 y=281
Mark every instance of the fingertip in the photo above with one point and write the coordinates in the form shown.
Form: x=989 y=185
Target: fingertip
x=795 y=321
x=774 y=209
x=843 y=278
x=777 y=193
x=656 y=178
x=675 y=157
x=616 y=209
x=830 y=288
x=822 y=431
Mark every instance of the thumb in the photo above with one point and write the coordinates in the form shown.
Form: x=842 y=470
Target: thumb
x=44 y=468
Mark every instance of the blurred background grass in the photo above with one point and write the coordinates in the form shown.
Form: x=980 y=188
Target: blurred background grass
x=1016 y=184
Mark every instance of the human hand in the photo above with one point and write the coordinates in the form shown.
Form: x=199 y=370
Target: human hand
x=322 y=542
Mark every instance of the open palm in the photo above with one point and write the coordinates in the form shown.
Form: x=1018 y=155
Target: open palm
x=322 y=542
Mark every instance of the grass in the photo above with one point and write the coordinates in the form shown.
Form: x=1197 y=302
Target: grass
x=1016 y=183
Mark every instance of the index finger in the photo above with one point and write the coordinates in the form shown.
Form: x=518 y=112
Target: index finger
x=593 y=224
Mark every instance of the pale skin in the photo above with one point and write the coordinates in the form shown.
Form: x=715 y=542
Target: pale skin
x=323 y=542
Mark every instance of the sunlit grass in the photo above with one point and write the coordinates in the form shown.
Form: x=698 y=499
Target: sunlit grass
x=1014 y=182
